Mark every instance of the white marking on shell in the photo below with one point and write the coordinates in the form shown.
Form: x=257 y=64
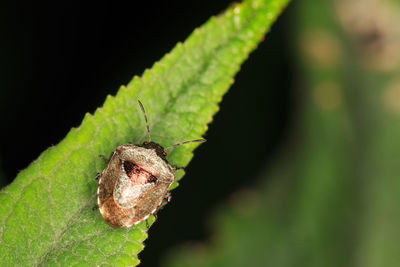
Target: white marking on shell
x=126 y=193
x=98 y=192
x=141 y=220
x=148 y=160
x=98 y=187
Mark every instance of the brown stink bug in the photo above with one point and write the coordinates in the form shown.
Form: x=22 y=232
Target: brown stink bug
x=135 y=181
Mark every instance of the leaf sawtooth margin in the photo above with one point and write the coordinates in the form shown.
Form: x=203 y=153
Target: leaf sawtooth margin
x=46 y=215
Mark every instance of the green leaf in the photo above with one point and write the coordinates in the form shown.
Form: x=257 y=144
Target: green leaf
x=46 y=215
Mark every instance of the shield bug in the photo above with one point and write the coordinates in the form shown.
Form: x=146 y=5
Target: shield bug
x=135 y=181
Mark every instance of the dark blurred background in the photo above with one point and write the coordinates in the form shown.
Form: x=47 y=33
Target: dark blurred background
x=61 y=59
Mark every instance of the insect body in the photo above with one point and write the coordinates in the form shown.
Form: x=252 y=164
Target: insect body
x=135 y=182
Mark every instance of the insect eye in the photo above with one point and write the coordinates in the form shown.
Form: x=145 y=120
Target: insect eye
x=164 y=153
x=145 y=142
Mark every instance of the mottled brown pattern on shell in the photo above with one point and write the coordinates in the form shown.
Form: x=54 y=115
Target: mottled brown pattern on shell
x=146 y=203
x=108 y=178
x=115 y=216
x=151 y=200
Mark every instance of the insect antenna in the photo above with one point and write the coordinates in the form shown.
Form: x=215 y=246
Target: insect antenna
x=187 y=142
x=145 y=118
